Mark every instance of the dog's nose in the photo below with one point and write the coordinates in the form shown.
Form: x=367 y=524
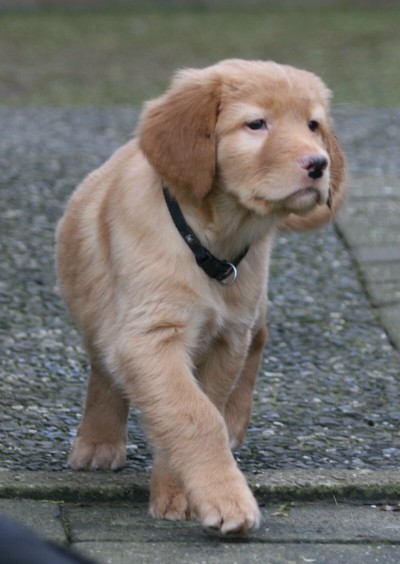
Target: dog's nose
x=315 y=164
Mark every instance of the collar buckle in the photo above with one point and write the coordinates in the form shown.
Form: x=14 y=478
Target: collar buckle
x=231 y=276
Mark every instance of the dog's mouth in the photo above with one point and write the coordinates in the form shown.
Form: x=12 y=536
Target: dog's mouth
x=302 y=199
x=300 y=202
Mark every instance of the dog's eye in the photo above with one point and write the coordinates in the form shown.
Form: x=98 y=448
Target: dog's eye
x=313 y=125
x=257 y=124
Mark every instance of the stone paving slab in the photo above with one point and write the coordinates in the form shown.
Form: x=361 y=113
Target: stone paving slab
x=234 y=553
x=390 y=316
x=291 y=523
x=103 y=515
x=370 y=224
x=378 y=254
x=379 y=188
x=77 y=486
x=268 y=485
x=371 y=214
x=384 y=293
x=123 y=532
x=43 y=517
x=380 y=272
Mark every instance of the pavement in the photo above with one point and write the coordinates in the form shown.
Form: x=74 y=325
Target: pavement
x=323 y=452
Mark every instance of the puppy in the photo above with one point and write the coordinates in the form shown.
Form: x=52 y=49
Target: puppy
x=163 y=259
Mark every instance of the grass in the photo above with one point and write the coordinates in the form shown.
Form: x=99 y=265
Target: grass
x=122 y=57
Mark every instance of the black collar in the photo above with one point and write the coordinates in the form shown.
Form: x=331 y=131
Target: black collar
x=213 y=267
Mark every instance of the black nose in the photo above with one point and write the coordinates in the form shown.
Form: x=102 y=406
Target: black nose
x=316 y=164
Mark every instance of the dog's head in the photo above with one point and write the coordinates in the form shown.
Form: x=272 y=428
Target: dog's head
x=257 y=130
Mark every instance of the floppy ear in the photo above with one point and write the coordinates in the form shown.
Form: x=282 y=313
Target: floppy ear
x=322 y=214
x=177 y=132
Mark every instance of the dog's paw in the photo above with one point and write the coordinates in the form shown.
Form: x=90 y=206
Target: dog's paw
x=229 y=507
x=167 y=498
x=87 y=455
x=172 y=505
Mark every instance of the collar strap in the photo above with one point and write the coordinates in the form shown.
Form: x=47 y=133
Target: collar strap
x=221 y=270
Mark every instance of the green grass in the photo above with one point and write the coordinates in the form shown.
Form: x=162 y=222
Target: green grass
x=123 y=57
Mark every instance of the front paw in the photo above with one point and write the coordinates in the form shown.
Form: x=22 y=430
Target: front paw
x=88 y=455
x=227 y=505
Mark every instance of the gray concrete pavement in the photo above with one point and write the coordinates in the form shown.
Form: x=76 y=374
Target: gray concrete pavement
x=370 y=225
x=121 y=532
x=325 y=433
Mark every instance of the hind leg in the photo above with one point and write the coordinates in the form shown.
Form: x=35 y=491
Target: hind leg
x=167 y=498
x=101 y=437
x=238 y=408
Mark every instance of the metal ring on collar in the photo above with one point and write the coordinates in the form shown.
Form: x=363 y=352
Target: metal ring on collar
x=232 y=276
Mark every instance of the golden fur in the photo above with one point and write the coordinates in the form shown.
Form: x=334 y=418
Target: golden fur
x=159 y=332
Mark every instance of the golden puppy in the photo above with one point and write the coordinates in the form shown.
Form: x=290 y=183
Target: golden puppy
x=168 y=287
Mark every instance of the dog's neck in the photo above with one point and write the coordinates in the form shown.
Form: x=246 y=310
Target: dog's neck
x=224 y=226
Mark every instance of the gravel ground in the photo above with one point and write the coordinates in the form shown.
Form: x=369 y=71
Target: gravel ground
x=328 y=393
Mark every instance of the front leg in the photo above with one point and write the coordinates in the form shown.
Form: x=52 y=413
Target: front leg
x=186 y=426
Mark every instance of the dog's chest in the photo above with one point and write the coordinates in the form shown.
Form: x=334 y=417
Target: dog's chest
x=226 y=321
